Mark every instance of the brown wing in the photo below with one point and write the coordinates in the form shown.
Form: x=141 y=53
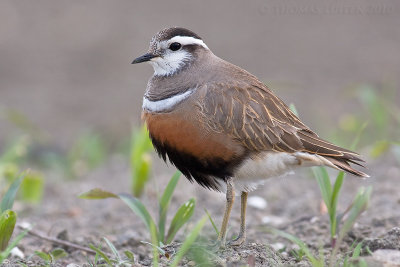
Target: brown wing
x=256 y=118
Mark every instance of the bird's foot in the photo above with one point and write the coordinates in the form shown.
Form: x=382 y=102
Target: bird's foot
x=218 y=245
x=237 y=241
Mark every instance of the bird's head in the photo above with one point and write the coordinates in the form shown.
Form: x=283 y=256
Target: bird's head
x=171 y=50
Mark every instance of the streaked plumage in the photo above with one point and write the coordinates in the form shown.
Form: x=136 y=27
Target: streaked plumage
x=218 y=124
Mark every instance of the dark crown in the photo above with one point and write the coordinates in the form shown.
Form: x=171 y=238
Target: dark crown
x=169 y=33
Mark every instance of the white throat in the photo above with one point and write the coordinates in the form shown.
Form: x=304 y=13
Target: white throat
x=170 y=63
x=165 y=104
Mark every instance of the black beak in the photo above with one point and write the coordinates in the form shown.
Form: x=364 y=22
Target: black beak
x=144 y=58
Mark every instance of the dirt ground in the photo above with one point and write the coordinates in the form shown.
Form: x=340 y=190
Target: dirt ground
x=65 y=65
x=293 y=205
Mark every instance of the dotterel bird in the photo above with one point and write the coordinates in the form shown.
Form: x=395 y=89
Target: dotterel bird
x=222 y=127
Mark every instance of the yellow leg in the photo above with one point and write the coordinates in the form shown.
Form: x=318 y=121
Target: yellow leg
x=242 y=234
x=230 y=196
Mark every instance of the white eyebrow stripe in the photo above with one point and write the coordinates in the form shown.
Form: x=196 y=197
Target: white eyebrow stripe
x=187 y=40
x=165 y=104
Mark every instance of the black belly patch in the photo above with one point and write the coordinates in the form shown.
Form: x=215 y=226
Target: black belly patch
x=209 y=172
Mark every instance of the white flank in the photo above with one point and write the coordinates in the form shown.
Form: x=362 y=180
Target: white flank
x=272 y=164
x=186 y=40
x=165 y=104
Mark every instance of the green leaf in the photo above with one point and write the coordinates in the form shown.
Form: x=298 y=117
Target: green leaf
x=154 y=241
x=189 y=241
x=357 y=251
x=164 y=204
x=8 y=219
x=58 y=253
x=141 y=173
x=8 y=199
x=32 y=187
x=130 y=256
x=212 y=222
x=335 y=197
x=138 y=208
x=183 y=214
x=324 y=183
x=97 y=193
x=44 y=256
x=140 y=160
x=113 y=248
x=101 y=253
x=7 y=251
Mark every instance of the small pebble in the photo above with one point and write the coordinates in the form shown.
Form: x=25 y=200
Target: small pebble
x=389 y=257
x=257 y=202
x=26 y=225
x=273 y=220
x=278 y=246
x=17 y=253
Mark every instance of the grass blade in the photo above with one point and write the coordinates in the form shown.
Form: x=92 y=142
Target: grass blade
x=164 y=204
x=113 y=249
x=183 y=214
x=324 y=183
x=333 y=203
x=8 y=199
x=154 y=241
x=102 y=254
x=138 y=208
x=189 y=241
x=212 y=222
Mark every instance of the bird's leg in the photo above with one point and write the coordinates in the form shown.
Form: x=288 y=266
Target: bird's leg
x=242 y=234
x=230 y=196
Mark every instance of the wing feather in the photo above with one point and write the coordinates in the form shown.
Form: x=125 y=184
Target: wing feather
x=256 y=118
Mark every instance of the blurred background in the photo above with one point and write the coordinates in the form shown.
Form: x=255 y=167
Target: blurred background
x=65 y=65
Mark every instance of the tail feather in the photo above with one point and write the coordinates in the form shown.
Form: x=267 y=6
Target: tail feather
x=339 y=157
x=343 y=165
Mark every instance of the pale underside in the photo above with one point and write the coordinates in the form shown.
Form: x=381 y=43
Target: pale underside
x=254 y=171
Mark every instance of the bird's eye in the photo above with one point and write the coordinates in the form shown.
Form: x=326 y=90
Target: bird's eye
x=175 y=46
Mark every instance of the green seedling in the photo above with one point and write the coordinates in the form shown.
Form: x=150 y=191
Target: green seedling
x=52 y=256
x=8 y=220
x=140 y=160
x=298 y=254
x=349 y=260
x=32 y=187
x=4 y=254
x=330 y=195
x=349 y=217
x=180 y=218
x=187 y=244
x=316 y=261
x=113 y=260
x=346 y=220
